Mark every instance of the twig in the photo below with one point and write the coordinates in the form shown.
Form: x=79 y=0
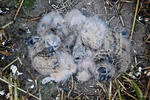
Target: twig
x=147 y=40
x=146 y=68
x=18 y=9
x=34 y=19
x=99 y=96
x=11 y=63
x=5 y=53
x=133 y=26
x=110 y=90
x=122 y=85
x=11 y=22
x=147 y=89
x=62 y=95
x=130 y=95
x=20 y=89
x=114 y=95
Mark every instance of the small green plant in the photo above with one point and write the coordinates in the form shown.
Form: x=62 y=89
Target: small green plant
x=28 y=5
x=68 y=3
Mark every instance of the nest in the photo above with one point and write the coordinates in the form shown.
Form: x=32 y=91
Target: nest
x=74 y=43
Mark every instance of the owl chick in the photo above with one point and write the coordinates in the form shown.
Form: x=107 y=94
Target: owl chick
x=51 y=41
x=64 y=69
x=116 y=53
x=93 y=33
x=34 y=45
x=76 y=43
x=75 y=19
x=58 y=67
x=86 y=67
x=79 y=51
x=52 y=22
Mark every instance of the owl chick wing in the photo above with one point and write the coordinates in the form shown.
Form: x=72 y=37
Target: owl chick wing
x=48 y=21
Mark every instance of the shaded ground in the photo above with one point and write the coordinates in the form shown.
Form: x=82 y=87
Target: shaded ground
x=25 y=26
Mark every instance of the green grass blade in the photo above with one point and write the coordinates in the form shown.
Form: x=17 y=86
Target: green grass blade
x=136 y=88
x=68 y=3
x=10 y=88
x=15 y=91
x=118 y=89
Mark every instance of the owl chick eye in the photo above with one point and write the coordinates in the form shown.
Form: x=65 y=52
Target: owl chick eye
x=76 y=59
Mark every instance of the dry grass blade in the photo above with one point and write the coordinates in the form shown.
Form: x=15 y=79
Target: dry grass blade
x=5 y=53
x=11 y=63
x=110 y=90
x=130 y=95
x=147 y=39
x=2 y=34
x=10 y=88
x=133 y=26
x=99 y=96
x=122 y=85
x=147 y=89
x=62 y=95
x=113 y=98
x=11 y=22
x=20 y=89
x=18 y=9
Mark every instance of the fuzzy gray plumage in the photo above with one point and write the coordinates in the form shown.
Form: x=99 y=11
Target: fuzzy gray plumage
x=78 y=44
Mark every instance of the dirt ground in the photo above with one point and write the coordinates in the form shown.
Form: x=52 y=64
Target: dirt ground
x=25 y=26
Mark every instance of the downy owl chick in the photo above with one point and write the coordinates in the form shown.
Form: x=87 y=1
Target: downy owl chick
x=93 y=33
x=65 y=67
x=52 y=22
x=116 y=53
x=75 y=20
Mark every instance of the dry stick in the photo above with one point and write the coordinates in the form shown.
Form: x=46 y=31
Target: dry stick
x=99 y=96
x=62 y=95
x=133 y=26
x=110 y=90
x=114 y=95
x=147 y=39
x=18 y=9
x=12 y=63
x=130 y=95
x=19 y=89
x=146 y=68
x=122 y=85
x=11 y=22
x=147 y=89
